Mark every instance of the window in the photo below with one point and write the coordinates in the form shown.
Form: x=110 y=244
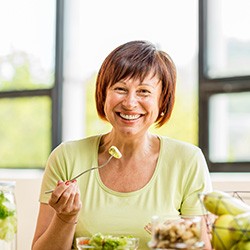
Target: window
x=30 y=75
x=224 y=84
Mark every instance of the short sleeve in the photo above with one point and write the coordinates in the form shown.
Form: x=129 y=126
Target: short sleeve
x=197 y=182
x=55 y=170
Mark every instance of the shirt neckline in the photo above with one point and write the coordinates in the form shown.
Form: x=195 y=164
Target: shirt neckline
x=132 y=193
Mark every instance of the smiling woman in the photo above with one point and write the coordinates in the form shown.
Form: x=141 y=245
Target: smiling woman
x=135 y=102
x=150 y=78
x=135 y=88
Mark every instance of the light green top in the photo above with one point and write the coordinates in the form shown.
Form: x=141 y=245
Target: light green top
x=180 y=175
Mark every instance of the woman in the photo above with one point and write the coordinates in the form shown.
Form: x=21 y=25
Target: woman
x=156 y=175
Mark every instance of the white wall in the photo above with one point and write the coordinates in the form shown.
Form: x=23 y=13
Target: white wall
x=28 y=188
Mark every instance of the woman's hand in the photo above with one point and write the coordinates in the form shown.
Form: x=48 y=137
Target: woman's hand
x=57 y=220
x=66 y=202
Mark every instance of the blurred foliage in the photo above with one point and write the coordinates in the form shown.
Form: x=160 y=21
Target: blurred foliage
x=25 y=122
x=94 y=125
x=20 y=71
x=183 y=124
x=25 y=131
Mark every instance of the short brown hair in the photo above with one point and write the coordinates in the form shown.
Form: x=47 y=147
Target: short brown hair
x=136 y=59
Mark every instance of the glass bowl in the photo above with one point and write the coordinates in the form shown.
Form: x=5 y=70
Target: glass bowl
x=176 y=233
x=131 y=243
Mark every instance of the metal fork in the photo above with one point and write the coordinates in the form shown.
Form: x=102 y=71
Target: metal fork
x=148 y=228
x=85 y=171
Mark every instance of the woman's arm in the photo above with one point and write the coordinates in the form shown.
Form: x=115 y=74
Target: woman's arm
x=205 y=235
x=57 y=221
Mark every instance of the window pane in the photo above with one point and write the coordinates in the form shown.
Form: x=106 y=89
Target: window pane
x=229 y=127
x=228 y=38
x=27 y=50
x=25 y=131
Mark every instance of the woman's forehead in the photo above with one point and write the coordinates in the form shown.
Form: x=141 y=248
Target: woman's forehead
x=142 y=77
x=148 y=80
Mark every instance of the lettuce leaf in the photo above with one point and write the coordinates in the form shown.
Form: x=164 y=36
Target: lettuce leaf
x=109 y=242
x=5 y=211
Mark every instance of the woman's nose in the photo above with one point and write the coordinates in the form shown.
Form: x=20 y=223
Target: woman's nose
x=130 y=100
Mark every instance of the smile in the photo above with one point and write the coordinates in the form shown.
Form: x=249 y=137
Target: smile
x=129 y=117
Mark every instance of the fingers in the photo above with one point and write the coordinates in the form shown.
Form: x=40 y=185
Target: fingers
x=65 y=199
x=73 y=201
x=77 y=201
x=58 y=192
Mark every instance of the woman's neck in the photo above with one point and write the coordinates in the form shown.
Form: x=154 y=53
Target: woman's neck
x=141 y=146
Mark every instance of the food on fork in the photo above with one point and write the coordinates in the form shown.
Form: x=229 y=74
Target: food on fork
x=114 y=151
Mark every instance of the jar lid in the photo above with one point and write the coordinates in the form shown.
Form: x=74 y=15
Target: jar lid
x=7 y=183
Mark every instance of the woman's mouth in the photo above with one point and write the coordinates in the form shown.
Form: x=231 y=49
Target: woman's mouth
x=129 y=117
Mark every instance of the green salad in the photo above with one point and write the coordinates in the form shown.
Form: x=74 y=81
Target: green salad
x=8 y=221
x=109 y=242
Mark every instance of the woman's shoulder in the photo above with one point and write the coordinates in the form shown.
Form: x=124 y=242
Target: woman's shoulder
x=182 y=153
x=177 y=143
x=175 y=146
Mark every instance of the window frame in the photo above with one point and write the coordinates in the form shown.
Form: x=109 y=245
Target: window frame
x=55 y=92
x=210 y=86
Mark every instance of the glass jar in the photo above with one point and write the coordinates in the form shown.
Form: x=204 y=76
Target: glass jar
x=171 y=232
x=8 y=216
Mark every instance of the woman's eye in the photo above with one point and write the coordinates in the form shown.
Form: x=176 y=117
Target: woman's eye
x=119 y=89
x=144 y=92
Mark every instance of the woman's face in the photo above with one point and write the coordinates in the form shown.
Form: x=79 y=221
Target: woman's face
x=132 y=106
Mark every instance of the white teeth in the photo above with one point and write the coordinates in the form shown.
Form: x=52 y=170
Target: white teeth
x=129 y=117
